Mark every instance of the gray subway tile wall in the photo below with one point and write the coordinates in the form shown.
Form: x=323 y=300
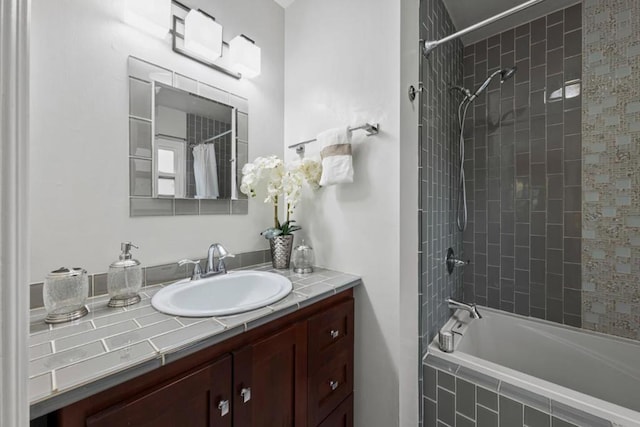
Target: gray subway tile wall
x=437 y=178
x=469 y=403
x=437 y=170
x=523 y=171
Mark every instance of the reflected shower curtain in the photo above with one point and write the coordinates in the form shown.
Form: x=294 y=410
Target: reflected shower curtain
x=205 y=171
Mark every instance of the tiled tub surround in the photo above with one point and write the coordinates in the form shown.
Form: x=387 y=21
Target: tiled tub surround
x=154 y=274
x=110 y=345
x=611 y=177
x=510 y=371
x=437 y=170
x=523 y=170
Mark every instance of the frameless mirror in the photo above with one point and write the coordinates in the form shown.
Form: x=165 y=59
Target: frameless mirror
x=188 y=142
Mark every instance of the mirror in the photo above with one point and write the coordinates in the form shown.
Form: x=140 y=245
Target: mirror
x=188 y=142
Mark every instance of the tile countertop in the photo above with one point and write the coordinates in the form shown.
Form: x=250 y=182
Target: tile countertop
x=70 y=361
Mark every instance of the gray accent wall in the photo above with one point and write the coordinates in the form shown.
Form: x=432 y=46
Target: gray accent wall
x=438 y=170
x=524 y=170
x=454 y=395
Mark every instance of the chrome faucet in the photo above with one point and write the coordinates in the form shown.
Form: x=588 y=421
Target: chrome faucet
x=221 y=268
x=197 y=271
x=471 y=308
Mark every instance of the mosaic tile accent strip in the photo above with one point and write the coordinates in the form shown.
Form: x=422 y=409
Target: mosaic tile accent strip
x=451 y=399
x=155 y=274
x=108 y=341
x=611 y=156
x=523 y=170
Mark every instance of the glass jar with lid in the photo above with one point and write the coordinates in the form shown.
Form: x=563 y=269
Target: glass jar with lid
x=65 y=292
x=303 y=259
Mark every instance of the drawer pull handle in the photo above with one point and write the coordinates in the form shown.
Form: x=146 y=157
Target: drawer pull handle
x=334 y=334
x=223 y=406
x=246 y=394
x=334 y=385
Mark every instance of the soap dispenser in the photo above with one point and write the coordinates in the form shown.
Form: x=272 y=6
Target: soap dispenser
x=124 y=278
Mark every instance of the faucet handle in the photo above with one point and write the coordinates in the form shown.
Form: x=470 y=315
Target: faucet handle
x=197 y=271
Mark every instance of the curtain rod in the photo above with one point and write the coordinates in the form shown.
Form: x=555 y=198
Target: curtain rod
x=431 y=45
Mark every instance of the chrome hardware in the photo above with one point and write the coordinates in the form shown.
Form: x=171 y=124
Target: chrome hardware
x=197 y=271
x=334 y=334
x=445 y=341
x=223 y=406
x=246 y=394
x=221 y=268
x=412 y=92
x=471 y=308
x=453 y=262
x=334 y=385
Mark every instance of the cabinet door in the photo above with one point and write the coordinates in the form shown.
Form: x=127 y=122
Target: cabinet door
x=192 y=400
x=270 y=381
x=342 y=416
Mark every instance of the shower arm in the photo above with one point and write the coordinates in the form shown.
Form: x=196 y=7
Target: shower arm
x=432 y=44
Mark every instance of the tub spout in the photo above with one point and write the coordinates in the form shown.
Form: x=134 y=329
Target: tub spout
x=471 y=308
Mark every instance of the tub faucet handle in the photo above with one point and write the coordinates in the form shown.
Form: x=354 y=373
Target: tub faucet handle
x=471 y=308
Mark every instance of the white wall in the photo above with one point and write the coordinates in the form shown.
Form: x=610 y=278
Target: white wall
x=79 y=131
x=342 y=67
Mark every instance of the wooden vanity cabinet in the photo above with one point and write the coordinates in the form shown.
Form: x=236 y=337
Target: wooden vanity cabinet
x=294 y=371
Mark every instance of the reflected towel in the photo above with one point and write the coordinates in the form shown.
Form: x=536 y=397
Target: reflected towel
x=205 y=171
x=337 y=161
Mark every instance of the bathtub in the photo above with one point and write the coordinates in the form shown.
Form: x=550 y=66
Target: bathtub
x=586 y=378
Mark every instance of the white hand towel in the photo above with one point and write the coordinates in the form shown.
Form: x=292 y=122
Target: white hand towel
x=337 y=161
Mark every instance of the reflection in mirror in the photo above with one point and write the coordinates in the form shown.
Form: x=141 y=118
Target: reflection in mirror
x=188 y=142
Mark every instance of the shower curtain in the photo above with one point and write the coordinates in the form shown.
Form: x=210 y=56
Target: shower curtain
x=205 y=171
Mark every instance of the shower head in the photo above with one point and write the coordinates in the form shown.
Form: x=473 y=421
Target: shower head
x=505 y=74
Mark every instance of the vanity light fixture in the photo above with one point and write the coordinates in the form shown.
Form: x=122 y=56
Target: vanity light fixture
x=202 y=35
x=198 y=36
x=244 y=56
x=151 y=16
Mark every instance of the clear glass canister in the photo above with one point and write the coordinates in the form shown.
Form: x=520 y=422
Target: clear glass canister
x=303 y=259
x=65 y=292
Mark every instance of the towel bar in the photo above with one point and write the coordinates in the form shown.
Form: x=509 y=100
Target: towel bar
x=370 y=128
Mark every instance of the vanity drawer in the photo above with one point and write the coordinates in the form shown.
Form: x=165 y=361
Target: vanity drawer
x=330 y=385
x=329 y=332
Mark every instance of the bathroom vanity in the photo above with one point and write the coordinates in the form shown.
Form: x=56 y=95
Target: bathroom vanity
x=292 y=366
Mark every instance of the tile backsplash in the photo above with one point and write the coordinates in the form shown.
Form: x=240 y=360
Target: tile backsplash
x=155 y=274
x=523 y=168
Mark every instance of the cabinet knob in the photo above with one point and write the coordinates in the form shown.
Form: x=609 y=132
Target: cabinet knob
x=246 y=394
x=334 y=333
x=334 y=385
x=223 y=406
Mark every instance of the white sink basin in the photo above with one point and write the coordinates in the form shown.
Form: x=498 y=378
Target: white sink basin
x=221 y=295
